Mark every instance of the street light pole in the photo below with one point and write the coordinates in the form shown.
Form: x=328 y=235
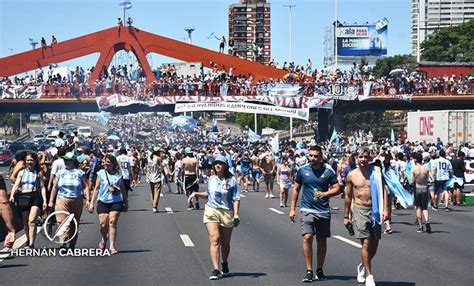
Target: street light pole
x=290 y=7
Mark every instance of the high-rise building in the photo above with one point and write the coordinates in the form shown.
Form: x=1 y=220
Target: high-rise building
x=428 y=16
x=249 y=22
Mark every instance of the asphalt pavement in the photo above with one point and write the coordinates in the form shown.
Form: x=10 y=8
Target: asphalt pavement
x=172 y=248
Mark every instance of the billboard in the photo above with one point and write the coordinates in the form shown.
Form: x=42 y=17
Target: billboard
x=362 y=39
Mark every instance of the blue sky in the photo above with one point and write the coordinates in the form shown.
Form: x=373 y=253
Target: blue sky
x=66 y=19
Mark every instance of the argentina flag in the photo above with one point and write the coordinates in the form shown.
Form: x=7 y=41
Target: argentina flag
x=186 y=122
x=253 y=137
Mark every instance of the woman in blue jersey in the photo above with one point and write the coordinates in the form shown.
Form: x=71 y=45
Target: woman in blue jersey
x=68 y=186
x=221 y=213
x=112 y=199
x=30 y=181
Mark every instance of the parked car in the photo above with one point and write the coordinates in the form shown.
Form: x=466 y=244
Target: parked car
x=15 y=146
x=3 y=144
x=469 y=173
x=38 y=137
x=6 y=157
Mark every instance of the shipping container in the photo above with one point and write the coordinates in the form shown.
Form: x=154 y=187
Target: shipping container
x=451 y=126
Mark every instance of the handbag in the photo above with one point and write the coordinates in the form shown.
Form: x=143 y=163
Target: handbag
x=113 y=189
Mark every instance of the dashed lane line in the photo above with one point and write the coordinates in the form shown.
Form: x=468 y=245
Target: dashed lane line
x=169 y=211
x=186 y=240
x=276 y=211
x=347 y=241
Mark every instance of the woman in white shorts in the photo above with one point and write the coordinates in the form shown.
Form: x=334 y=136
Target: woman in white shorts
x=221 y=213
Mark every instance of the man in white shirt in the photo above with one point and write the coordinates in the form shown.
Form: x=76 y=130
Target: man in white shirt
x=125 y=163
x=443 y=170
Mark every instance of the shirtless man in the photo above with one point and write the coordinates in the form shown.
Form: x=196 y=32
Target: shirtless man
x=191 y=180
x=255 y=170
x=368 y=228
x=420 y=176
x=268 y=168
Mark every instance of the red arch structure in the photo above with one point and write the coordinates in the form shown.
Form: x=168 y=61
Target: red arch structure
x=108 y=42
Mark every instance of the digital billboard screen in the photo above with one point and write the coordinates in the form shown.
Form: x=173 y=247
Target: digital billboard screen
x=362 y=40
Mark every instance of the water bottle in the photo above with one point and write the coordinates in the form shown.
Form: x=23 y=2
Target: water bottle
x=350 y=229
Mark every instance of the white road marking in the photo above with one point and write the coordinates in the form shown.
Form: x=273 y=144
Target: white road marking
x=186 y=240
x=347 y=241
x=243 y=196
x=169 y=210
x=17 y=244
x=275 y=210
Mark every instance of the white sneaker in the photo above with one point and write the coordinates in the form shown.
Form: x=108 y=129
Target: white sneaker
x=272 y=196
x=369 y=280
x=155 y=210
x=360 y=273
x=266 y=196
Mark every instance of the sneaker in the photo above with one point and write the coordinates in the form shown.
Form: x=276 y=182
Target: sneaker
x=155 y=210
x=309 y=277
x=447 y=209
x=102 y=244
x=388 y=231
x=428 y=227
x=320 y=275
x=272 y=196
x=369 y=280
x=281 y=206
x=225 y=269
x=420 y=229
x=434 y=208
x=216 y=274
x=360 y=273
x=266 y=196
x=190 y=207
x=113 y=251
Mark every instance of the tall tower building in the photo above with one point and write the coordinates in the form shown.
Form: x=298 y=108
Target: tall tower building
x=428 y=16
x=249 y=21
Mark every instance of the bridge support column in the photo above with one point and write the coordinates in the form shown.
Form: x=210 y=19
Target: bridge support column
x=323 y=124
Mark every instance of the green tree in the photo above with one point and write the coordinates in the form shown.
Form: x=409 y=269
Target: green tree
x=263 y=121
x=383 y=66
x=452 y=44
x=379 y=122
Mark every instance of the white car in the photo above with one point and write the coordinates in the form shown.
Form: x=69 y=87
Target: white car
x=38 y=137
x=469 y=173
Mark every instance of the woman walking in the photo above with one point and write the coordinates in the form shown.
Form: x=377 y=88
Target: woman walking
x=284 y=175
x=112 y=199
x=221 y=214
x=68 y=186
x=30 y=181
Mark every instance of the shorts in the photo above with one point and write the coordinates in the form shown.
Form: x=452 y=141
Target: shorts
x=422 y=197
x=28 y=200
x=364 y=227
x=440 y=186
x=285 y=184
x=190 y=185
x=222 y=217
x=256 y=174
x=105 y=208
x=268 y=178
x=430 y=187
x=315 y=224
x=245 y=172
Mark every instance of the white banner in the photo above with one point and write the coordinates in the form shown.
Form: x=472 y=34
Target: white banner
x=300 y=113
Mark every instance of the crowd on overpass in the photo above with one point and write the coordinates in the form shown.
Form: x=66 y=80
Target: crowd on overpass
x=218 y=80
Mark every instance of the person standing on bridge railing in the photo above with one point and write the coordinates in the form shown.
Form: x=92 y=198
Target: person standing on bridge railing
x=222 y=43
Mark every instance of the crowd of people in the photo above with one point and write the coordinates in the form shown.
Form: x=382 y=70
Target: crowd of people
x=220 y=80
x=101 y=173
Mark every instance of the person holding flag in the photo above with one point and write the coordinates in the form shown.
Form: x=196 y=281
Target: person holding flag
x=370 y=207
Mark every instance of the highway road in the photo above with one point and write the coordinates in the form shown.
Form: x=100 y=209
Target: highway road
x=172 y=248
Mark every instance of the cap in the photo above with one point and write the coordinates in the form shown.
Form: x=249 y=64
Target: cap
x=156 y=149
x=69 y=156
x=221 y=159
x=188 y=150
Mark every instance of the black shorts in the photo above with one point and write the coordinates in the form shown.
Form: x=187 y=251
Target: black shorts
x=28 y=200
x=105 y=208
x=422 y=197
x=189 y=184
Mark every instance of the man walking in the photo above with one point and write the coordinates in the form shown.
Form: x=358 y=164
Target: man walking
x=319 y=183
x=420 y=176
x=371 y=206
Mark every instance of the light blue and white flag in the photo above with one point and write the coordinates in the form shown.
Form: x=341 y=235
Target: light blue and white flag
x=376 y=190
x=252 y=136
x=282 y=89
x=392 y=137
x=186 y=122
x=103 y=117
x=275 y=144
x=214 y=125
x=395 y=188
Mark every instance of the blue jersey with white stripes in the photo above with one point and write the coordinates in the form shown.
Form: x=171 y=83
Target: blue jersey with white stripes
x=28 y=179
x=70 y=183
x=222 y=193
x=115 y=180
